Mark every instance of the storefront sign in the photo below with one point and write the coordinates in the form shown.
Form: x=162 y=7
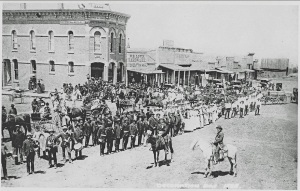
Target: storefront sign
x=136 y=58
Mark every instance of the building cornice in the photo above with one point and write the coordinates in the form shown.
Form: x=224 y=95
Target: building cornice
x=55 y=16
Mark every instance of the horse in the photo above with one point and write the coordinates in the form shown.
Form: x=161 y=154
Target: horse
x=76 y=112
x=208 y=152
x=156 y=147
x=22 y=119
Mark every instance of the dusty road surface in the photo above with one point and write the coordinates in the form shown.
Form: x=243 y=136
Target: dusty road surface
x=267 y=159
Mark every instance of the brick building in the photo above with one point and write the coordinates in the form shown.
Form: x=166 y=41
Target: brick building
x=62 y=44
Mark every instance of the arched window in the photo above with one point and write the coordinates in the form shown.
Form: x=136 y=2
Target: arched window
x=71 y=41
x=71 y=67
x=32 y=40
x=50 y=41
x=120 y=44
x=52 y=66
x=97 y=42
x=111 y=42
x=14 y=40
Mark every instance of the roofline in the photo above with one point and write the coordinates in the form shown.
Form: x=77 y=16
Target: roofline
x=66 y=10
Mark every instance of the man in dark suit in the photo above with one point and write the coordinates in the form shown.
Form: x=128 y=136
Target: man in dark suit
x=52 y=148
x=153 y=122
x=17 y=143
x=117 y=130
x=87 y=131
x=133 y=132
x=141 y=130
x=28 y=149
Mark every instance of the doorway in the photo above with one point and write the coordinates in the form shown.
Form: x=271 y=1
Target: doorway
x=97 y=69
x=7 y=78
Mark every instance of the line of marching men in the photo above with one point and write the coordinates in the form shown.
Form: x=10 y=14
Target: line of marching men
x=207 y=114
x=121 y=131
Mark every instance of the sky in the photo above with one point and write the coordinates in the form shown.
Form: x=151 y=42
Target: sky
x=269 y=31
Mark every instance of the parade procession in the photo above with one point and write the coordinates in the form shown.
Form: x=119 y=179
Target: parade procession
x=83 y=105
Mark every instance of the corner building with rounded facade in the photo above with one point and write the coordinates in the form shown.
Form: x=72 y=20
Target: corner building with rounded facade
x=62 y=45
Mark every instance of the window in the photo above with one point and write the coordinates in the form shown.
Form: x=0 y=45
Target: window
x=33 y=66
x=52 y=66
x=120 y=44
x=32 y=40
x=71 y=67
x=71 y=41
x=50 y=41
x=16 y=68
x=97 y=43
x=14 y=40
x=111 y=42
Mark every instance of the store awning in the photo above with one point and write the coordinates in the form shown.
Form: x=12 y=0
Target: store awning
x=174 y=67
x=224 y=71
x=248 y=70
x=145 y=71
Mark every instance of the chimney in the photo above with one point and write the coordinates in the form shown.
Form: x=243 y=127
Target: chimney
x=23 y=6
x=60 y=6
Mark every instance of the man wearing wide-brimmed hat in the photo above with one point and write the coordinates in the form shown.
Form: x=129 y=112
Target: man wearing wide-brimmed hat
x=52 y=148
x=66 y=143
x=218 y=143
x=29 y=152
x=17 y=143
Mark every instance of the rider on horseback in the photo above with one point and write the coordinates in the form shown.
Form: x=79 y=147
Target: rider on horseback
x=163 y=134
x=219 y=144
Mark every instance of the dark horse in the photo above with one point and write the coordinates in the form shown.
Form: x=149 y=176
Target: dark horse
x=12 y=120
x=157 y=145
x=76 y=112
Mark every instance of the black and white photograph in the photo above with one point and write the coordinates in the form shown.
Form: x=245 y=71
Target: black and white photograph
x=150 y=95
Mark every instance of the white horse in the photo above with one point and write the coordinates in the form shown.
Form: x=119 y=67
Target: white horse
x=207 y=150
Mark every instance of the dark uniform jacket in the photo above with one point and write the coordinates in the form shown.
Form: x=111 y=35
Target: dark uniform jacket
x=87 y=128
x=133 y=129
x=140 y=127
x=28 y=146
x=153 y=123
x=66 y=138
x=18 y=139
x=101 y=134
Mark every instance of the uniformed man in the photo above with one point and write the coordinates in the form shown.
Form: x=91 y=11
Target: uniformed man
x=147 y=131
x=133 y=132
x=101 y=134
x=153 y=122
x=51 y=146
x=178 y=122
x=78 y=138
x=66 y=143
x=125 y=132
x=87 y=131
x=17 y=143
x=117 y=130
x=164 y=136
x=141 y=130
x=28 y=150
x=109 y=132
x=219 y=144
x=13 y=110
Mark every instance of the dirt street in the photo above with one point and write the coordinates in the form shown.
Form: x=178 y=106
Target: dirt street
x=267 y=159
